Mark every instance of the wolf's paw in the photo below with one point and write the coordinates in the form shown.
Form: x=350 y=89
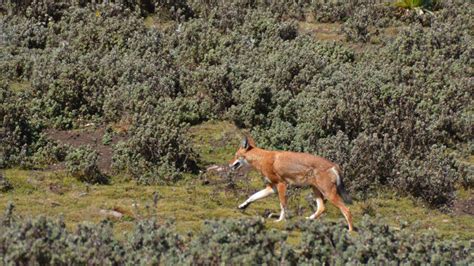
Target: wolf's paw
x=243 y=206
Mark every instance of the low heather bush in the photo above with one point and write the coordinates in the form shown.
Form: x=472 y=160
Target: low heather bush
x=81 y=163
x=46 y=241
x=157 y=150
x=19 y=131
x=236 y=242
x=49 y=152
x=4 y=184
x=377 y=243
x=154 y=243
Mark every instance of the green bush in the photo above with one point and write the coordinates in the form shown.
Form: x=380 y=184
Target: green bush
x=237 y=242
x=376 y=243
x=157 y=149
x=81 y=163
x=46 y=241
x=4 y=184
x=49 y=152
x=154 y=243
x=19 y=131
x=431 y=178
x=390 y=105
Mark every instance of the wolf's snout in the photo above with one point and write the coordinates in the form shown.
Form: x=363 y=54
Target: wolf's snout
x=236 y=165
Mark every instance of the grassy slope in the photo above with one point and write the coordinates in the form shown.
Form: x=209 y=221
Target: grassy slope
x=190 y=202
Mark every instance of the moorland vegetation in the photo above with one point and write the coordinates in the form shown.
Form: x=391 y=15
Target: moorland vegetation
x=390 y=100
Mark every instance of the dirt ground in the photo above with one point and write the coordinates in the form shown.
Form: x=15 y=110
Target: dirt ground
x=91 y=136
x=464 y=206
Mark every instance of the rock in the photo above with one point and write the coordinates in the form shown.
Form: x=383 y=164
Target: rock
x=111 y=213
x=56 y=188
x=217 y=168
x=54 y=203
x=89 y=125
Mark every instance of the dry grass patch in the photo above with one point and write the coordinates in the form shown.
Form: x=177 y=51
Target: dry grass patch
x=321 y=31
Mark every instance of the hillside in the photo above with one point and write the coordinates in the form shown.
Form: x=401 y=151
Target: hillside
x=119 y=121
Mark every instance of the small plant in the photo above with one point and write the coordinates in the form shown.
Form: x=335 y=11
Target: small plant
x=49 y=152
x=4 y=184
x=81 y=163
x=376 y=243
x=368 y=208
x=107 y=137
x=414 y=4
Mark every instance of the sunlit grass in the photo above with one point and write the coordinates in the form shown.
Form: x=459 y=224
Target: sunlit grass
x=20 y=86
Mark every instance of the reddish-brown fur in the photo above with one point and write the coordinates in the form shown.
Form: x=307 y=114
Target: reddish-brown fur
x=283 y=167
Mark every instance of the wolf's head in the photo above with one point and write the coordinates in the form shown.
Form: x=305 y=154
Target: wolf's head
x=239 y=160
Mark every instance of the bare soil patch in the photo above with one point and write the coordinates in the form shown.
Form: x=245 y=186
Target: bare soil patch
x=91 y=136
x=464 y=206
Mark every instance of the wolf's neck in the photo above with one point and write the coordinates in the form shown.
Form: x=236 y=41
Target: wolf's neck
x=259 y=157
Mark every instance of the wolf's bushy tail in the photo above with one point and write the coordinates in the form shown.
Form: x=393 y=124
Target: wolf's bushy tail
x=341 y=190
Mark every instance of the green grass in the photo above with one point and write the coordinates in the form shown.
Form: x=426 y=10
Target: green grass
x=20 y=86
x=190 y=202
x=215 y=141
x=155 y=22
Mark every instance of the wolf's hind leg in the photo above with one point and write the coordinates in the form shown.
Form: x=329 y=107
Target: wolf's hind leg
x=337 y=200
x=319 y=200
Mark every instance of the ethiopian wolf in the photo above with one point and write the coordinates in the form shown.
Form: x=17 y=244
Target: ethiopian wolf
x=281 y=168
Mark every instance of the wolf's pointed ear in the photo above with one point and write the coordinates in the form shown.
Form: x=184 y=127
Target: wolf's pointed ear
x=245 y=143
x=251 y=141
x=248 y=142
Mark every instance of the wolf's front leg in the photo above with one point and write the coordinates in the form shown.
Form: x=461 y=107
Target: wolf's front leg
x=259 y=195
x=282 y=196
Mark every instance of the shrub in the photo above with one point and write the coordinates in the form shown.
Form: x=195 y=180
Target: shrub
x=154 y=243
x=81 y=163
x=49 y=152
x=332 y=12
x=377 y=243
x=4 y=184
x=18 y=129
x=157 y=150
x=92 y=244
x=45 y=241
x=236 y=241
x=367 y=20
x=412 y=4
x=357 y=29
x=72 y=78
x=38 y=241
x=378 y=159
x=390 y=107
x=432 y=177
